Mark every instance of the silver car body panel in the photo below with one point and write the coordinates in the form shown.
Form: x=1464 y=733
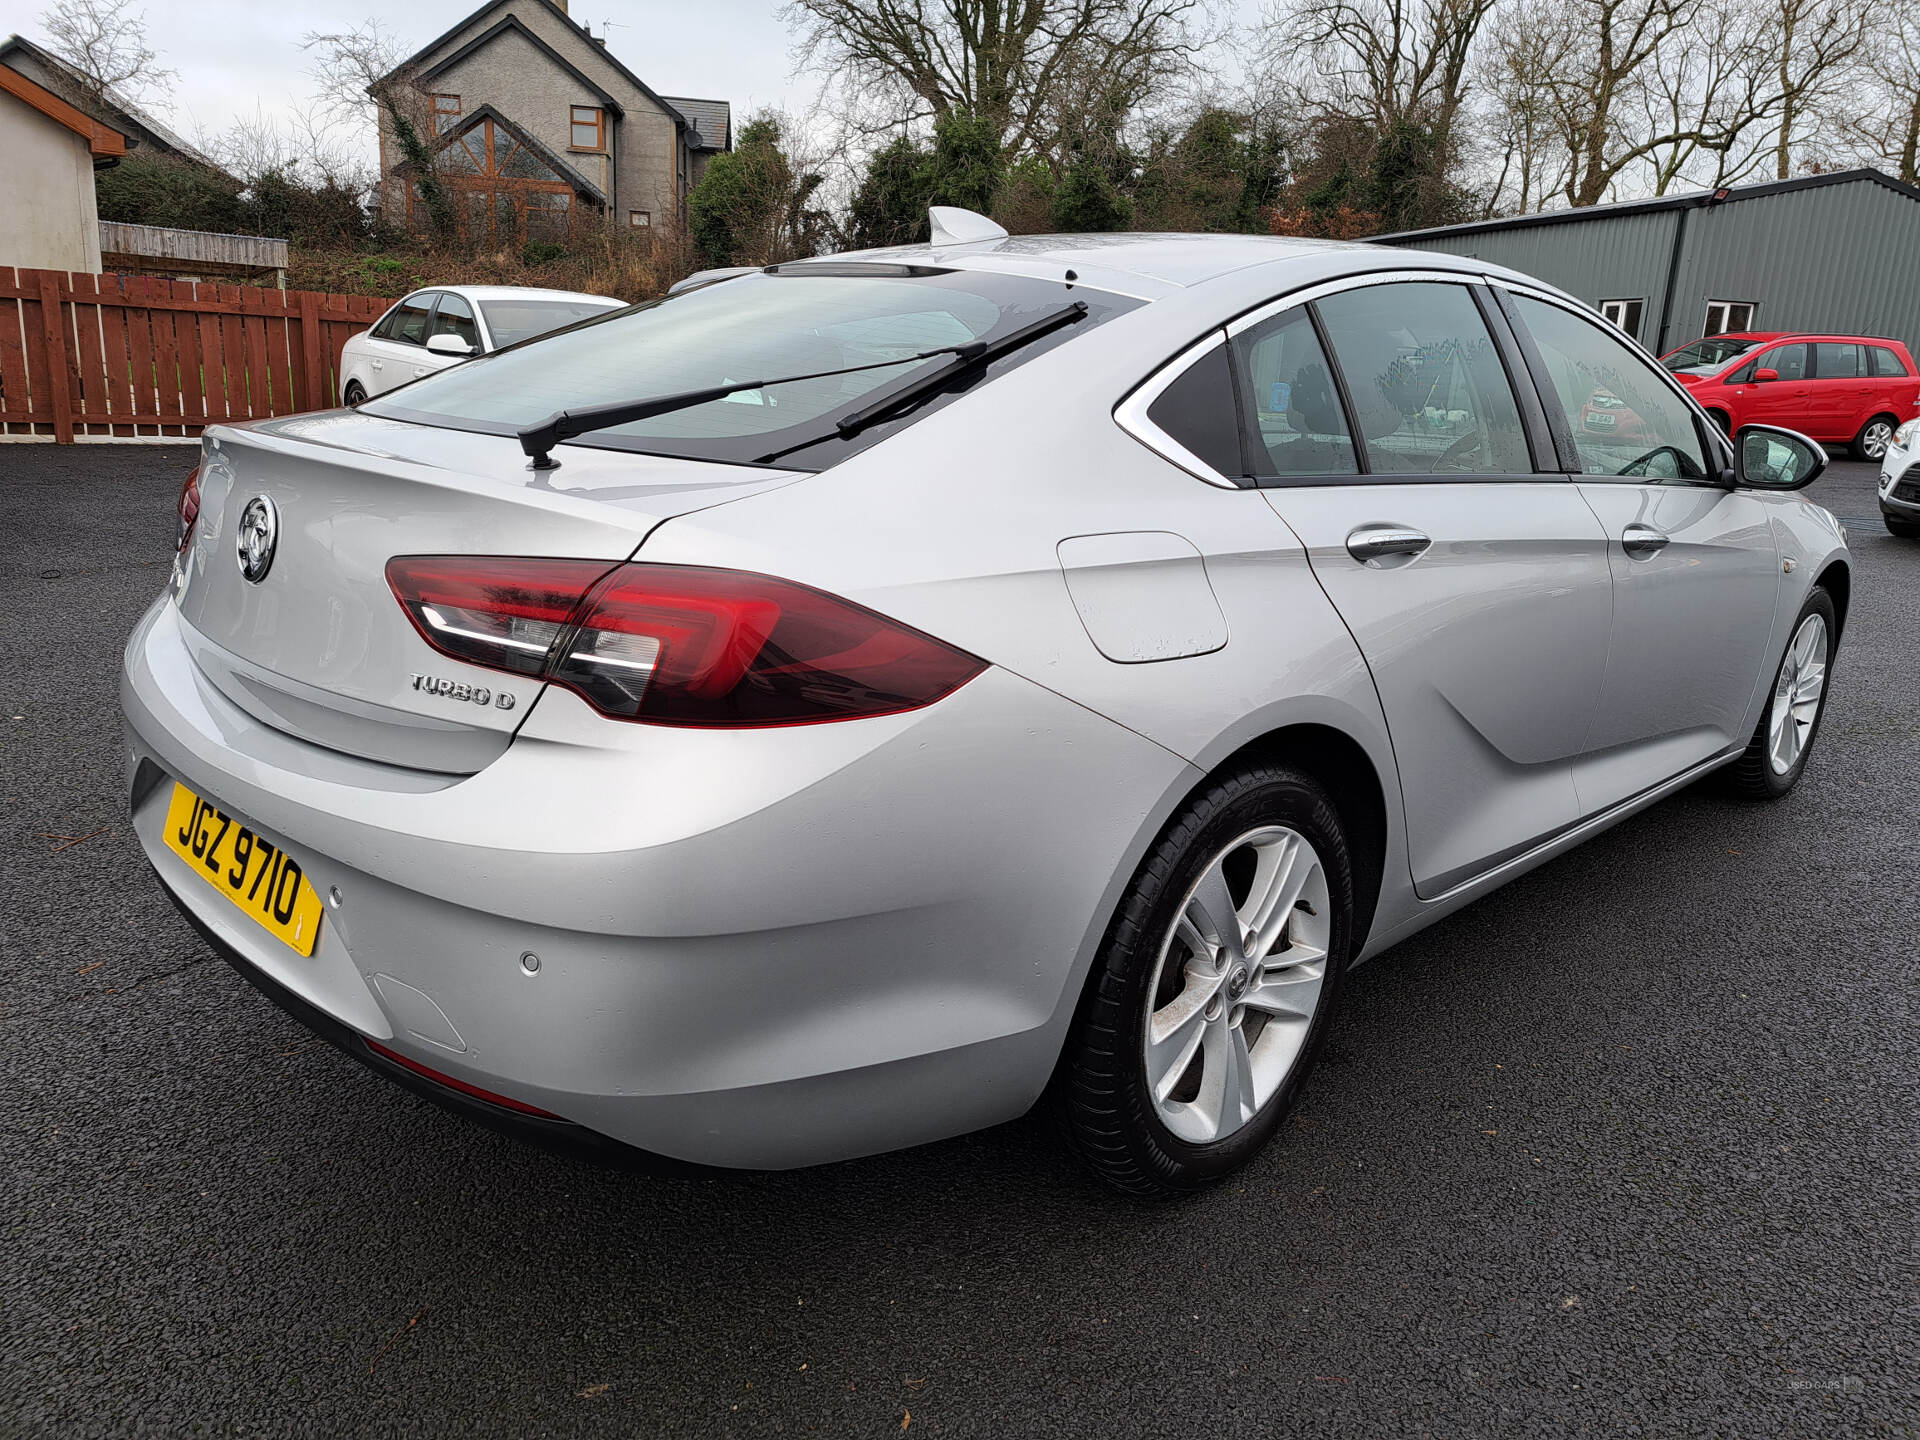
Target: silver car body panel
x=779 y=946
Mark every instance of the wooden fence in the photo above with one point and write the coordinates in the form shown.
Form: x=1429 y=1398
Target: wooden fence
x=100 y=357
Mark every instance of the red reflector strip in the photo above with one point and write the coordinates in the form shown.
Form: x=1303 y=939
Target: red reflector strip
x=504 y=1101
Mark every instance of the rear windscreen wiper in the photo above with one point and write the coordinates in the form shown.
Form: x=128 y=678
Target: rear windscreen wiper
x=538 y=440
x=966 y=357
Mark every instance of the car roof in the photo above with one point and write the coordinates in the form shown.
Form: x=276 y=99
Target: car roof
x=1764 y=336
x=1157 y=263
x=518 y=292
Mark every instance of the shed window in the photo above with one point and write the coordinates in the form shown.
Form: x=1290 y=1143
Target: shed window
x=1725 y=317
x=1625 y=314
x=589 y=127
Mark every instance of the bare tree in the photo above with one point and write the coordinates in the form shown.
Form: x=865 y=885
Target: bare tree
x=1015 y=63
x=106 y=41
x=1884 y=125
x=361 y=75
x=1393 y=62
x=1708 y=102
x=1521 y=124
x=1814 y=43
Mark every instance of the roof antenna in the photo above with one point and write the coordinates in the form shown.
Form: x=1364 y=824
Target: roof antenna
x=953 y=226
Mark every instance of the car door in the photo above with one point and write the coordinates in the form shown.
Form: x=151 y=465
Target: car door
x=397 y=345
x=1386 y=432
x=1695 y=567
x=1782 y=401
x=1842 y=390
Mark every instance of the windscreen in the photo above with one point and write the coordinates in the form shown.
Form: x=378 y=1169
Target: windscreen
x=757 y=327
x=511 y=321
x=1703 y=357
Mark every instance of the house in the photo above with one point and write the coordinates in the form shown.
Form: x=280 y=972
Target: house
x=536 y=127
x=50 y=220
x=1835 y=252
x=142 y=131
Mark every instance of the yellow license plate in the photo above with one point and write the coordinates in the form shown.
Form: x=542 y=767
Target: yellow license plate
x=248 y=869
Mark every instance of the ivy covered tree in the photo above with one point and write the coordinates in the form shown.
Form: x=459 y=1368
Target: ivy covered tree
x=890 y=206
x=751 y=207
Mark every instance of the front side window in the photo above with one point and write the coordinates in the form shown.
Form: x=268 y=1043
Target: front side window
x=1291 y=403
x=455 y=317
x=1428 y=391
x=757 y=326
x=406 y=323
x=1886 y=364
x=1837 y=362
x=1625 y=420
x=587 y=127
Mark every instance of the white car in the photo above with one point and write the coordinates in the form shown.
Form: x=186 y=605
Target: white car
x=432 y=329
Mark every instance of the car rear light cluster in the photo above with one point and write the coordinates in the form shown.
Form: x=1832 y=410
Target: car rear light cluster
x=676 y=644
x=188 y=509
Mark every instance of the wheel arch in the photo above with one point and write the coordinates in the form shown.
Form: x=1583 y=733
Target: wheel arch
x=1837 y=581
x=1342 y=765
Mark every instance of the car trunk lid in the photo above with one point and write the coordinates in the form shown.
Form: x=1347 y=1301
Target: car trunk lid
x=317 y=646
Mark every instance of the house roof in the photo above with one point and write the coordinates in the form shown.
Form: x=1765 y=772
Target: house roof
x=711 y=120
x=133 y=123
x=554 y=161
x=598 y=49
x=513 y=23
x=1729 y=195
x=106 y=144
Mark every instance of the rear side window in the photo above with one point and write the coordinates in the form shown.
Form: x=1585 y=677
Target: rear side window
x=1624 y=420
x=1836 y=362
x=1290 y=400
x=1197 y=411
x=1427 y=387
x=1886 y=364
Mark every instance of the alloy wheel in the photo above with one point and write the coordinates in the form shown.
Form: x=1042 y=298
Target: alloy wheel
x=1237 y=984
x=1875 y=439
x=1797 y=694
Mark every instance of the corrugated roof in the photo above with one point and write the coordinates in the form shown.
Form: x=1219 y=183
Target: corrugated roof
x=712 y=118
x=1733 y=193
x=77 y=91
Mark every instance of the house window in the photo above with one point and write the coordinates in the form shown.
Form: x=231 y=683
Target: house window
x=639 y=219
x=1625 y=314
x=588 y=128
x=446 y=110
x=1729 y=317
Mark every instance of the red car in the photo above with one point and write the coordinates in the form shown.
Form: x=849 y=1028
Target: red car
x=1837 y=389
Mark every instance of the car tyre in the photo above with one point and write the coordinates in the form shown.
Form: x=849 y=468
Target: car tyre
x=354 y=395
x=1148 y=1137
x=1874 y=438
x=1776 y=756
x=1723 y=420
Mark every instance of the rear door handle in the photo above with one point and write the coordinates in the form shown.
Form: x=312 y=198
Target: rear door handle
x=1641 y=541
x=1371 y=544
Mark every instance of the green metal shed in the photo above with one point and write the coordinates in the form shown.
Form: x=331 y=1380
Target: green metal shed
x=1837 y=252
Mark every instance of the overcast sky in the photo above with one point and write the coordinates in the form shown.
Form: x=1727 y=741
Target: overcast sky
x=236 y=55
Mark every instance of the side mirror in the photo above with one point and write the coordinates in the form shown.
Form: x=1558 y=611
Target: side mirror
x=1763 y=374
x=448 y=345
x=1767 y=457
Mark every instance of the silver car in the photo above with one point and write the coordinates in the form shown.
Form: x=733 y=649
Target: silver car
x=837 y=708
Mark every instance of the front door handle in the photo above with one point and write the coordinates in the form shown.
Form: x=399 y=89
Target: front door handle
x=1641 y=541
x=1371 y=544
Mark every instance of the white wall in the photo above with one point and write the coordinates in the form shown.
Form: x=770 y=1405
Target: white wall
x=48 y=219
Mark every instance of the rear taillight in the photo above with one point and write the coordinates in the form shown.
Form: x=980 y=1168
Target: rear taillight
x=188 y=509
x=677 y=645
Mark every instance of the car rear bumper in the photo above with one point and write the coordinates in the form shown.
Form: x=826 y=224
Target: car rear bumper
x=756 y=949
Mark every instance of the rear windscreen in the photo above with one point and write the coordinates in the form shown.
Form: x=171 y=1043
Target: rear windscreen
x=762 y=326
